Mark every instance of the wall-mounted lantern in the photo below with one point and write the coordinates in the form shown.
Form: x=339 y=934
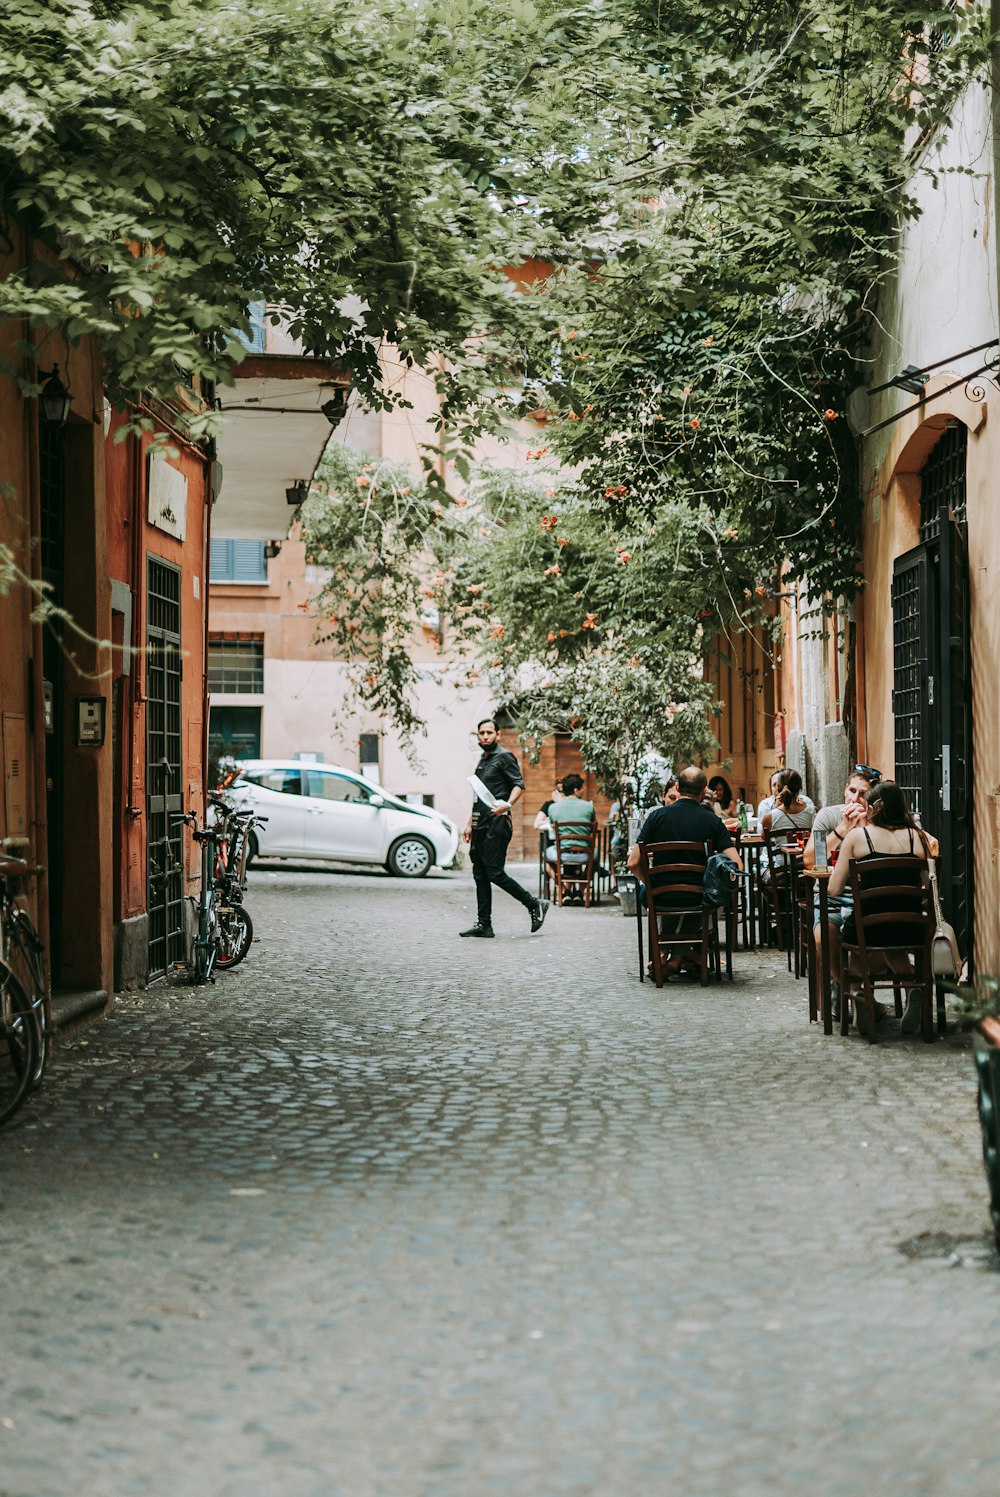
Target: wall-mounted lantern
x=54 y=398
x=298 y=493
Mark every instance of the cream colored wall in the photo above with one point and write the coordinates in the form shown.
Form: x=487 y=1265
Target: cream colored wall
x=944 y=300
x=304 y=712
x=306 y=692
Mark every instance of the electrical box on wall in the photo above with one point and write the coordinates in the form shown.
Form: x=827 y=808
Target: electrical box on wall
x=90 y=718
x=15 y=777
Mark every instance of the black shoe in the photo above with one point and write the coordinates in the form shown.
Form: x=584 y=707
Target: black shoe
x=538 y=913
x=478 y=930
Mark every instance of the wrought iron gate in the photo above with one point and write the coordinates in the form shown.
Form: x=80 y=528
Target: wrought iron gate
x=164 y=792
x=932 y=687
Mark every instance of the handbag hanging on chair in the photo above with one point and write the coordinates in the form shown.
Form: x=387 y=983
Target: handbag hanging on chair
x=946 y=960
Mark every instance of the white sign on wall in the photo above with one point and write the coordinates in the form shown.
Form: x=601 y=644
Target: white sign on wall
x=167 y=497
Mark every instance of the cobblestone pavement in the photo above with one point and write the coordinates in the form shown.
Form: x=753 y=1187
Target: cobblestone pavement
x=390 y=1214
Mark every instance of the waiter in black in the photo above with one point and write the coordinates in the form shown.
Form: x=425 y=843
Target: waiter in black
x=489 y=832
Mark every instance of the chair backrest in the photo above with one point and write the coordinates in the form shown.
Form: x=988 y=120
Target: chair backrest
x=673 y=872
x=891 y=902
x=776 y=841
x=575 y=837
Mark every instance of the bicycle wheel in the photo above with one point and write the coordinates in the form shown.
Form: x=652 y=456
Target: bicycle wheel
x=18 y=1041
x=235 y=936
x=25 y=960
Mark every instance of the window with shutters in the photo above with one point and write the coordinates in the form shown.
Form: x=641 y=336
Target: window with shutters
x=237 y=561
x=235 y=666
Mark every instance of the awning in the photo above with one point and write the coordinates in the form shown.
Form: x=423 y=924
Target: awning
x=274 y=433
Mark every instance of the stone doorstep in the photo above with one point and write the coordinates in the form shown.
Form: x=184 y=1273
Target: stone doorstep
x=69 y=1008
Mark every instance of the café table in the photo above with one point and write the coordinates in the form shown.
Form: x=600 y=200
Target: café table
x=821 y=878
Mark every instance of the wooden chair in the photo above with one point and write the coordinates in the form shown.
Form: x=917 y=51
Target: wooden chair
x=574 y=876
x=674 y=876
x=891 y=900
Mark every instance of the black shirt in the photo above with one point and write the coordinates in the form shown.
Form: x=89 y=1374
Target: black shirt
x=499 y=772
x=686 y=820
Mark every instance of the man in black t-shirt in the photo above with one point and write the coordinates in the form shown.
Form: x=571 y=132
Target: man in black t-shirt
x=687 y=820
x=489 y=831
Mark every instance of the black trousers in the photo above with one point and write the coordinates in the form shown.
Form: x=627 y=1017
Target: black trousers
x=488 y=851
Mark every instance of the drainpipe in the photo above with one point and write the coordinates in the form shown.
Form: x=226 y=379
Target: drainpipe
x=40 y=821
x=995 y=116
x=211 y=450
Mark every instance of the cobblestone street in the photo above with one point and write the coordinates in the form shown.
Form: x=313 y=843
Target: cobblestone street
x=390 y=1214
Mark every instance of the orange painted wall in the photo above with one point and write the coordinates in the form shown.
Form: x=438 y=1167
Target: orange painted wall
x=131 y=541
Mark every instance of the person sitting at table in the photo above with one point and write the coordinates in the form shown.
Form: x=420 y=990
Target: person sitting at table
x=888 y=831
x=790 y=813
x=572 y=807
x=770 y=801
x=834 y=823
x=687 y=820
x=720 y=795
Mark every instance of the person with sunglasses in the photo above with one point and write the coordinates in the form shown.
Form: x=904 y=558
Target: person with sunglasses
x=836 y=823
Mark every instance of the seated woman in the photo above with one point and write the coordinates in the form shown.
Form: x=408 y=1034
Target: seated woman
x=890 y=832
x=769 y=802
x=720 y=796
x=793 y=812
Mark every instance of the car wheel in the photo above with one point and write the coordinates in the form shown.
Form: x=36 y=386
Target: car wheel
x=252 y=849
x=410 y=857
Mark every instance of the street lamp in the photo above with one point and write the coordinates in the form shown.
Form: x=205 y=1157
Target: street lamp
x=335 y=408
x=910 y=378
x=54 y=398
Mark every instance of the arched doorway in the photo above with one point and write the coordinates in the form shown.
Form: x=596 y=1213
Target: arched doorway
x=932 y=700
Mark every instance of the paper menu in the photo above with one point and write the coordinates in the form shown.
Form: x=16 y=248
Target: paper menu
x=482 y=793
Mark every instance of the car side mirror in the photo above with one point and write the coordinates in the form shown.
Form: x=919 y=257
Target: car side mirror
x=376 y=800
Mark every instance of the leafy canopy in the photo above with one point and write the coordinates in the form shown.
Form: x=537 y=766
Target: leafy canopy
x=366 y=167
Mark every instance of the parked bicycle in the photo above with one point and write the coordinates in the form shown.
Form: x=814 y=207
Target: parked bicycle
x=235 y=928
x=206 y=947
x=25 y=1021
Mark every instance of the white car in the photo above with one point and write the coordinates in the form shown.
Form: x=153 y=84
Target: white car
x=324 y=811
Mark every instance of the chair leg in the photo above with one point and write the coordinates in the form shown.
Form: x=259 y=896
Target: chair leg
x=942 y=1017
x=848 y=987
x=869 y=1002
x=897 y=997
x=655 y=952
x=925 y=976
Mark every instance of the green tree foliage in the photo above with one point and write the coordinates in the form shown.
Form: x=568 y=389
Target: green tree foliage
x=568 y=624
x=707 y=359
x=366 y=167
x=386 y=540
x=742 y=180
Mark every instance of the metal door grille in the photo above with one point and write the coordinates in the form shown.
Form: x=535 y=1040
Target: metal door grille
x=164 y=795
x=942 y=482
x=909 y=696
x=52 y=545
x=52 y=493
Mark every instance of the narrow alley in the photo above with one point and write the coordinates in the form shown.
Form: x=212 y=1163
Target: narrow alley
x=387 y=1213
